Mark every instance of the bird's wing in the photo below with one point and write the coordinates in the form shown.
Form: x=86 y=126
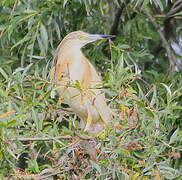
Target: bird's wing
x=61 y=71
x=102 y=108
x=99 y=100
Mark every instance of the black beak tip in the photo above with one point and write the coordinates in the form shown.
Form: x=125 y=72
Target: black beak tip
x=108 y=36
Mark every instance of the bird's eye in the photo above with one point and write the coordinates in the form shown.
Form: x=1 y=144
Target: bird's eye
x=82 y=37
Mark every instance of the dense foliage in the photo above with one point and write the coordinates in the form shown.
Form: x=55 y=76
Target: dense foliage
x=141 y=69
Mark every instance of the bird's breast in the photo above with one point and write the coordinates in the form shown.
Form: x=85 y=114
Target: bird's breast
x=76 y=70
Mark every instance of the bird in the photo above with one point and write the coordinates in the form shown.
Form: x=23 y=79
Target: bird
x=79 y=84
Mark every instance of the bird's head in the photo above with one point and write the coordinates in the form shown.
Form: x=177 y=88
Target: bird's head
x=80 y=38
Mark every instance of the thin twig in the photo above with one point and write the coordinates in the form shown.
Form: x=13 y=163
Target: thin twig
x=166 y=144
x=84 y=138
x=50 y=175
x=164 y=16
x=145 y=82
x=22 y=129
x=40 y=138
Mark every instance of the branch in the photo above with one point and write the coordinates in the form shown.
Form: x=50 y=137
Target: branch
x=115 y=24
x=49 y=138
x=164 y=16
x=170 y=54
x=40 y=139
x=114 y=27
x=168 y=145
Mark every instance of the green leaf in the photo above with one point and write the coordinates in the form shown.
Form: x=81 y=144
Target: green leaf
x=26 y=38
x=140 y=104
x=124 y=46
x=57 y=29
x=174 y=136
x=33 y=166
x=154 y=97
x=168 y=172
x=3 y=73
x=11 y=123
x=2 y=92
x=149 y=112
x=11 y=153
x=37 y=121
x=178 y=14
x=159 y=3
x=96 y=166
x=44 y=37
x=168 y=89
x=64 y=3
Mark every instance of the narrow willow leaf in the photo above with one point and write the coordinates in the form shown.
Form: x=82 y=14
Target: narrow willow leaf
x=12 y=26
x=148 y=168
x=135 y=176
x=65 y=2
x=57 y=30
x=124 y=46
x=149 y=112
x=168 y=172
x=3 y=27
x=28 y=16
x=12 y=153
x=2 y=92
x=44 y=37
x=3 y=73
x=139 y=3
x=140 y=104
x=174 y=136
x=96 y=166
x=154 y=97
x=168 y=89
x=159 y=3
x=178 y=14
x=26 y=38
x=101 y=8
x=35 y=118
x=17 y=70
x=11 y=123
x=166 y=2
x=41 y=46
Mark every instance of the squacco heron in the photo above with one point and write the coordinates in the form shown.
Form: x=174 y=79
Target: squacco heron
x=78 y=82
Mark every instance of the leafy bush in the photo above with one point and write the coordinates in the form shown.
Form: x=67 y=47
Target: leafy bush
x=39 y=135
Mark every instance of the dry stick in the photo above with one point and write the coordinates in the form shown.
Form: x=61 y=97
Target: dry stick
x=40 y=139
x=164 y=16
x=48 y=138
x=50 y=175
x=170 y=54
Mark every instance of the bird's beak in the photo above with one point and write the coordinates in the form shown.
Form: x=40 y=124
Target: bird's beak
x=94 y=37
x=107 y=36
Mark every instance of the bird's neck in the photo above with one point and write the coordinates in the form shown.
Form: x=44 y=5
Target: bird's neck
x=71 y=52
